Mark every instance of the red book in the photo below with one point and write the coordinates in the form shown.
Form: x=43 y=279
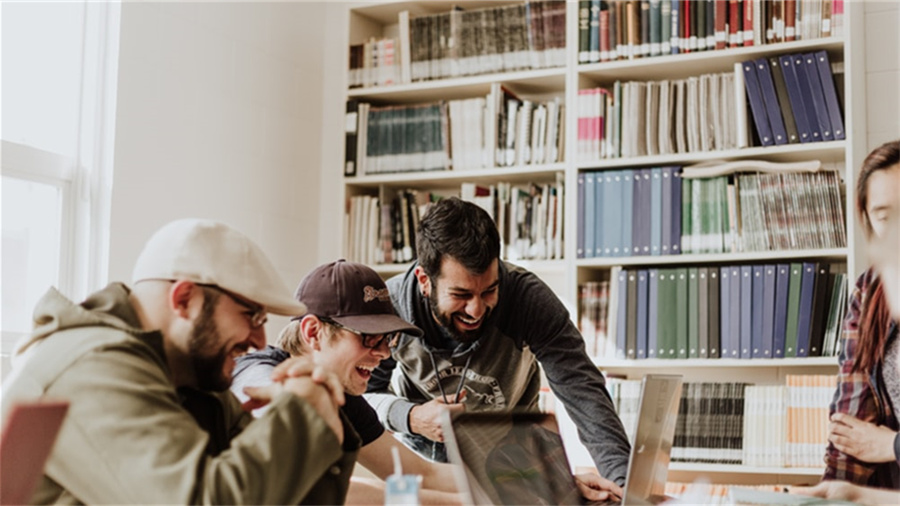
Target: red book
x=790 y=20
x=686 y=26
x=721 y=23
x=604 y=35
x=735 y=33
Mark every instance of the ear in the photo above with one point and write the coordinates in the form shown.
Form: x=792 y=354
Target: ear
x=181 y=294
x=311 y=329
x=423 y=279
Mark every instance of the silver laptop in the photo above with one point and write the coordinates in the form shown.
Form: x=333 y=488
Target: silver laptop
x=519 y=458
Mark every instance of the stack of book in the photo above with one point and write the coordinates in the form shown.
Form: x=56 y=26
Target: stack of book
x=739 y=423
x=793 y=98
x=659 y=211
x=626 y=29
x=375 y=62
x=738 y=311
x=631 y=119
x=498 y=130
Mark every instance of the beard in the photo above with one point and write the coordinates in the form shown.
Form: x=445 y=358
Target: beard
x=208 y=368
x=446 y=321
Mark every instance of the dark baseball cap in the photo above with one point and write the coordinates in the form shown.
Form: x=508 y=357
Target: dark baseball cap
x=353 y=295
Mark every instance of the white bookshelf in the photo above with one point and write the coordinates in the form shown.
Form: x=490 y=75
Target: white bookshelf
x=375 y=19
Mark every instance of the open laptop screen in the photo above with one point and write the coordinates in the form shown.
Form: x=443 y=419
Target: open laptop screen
x=511 y=458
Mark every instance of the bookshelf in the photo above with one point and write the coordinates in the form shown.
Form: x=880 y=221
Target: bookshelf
x=565 y=275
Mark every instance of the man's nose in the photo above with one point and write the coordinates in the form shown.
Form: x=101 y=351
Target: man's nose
x=258 y=338
x=475 y=307
x=383 y=350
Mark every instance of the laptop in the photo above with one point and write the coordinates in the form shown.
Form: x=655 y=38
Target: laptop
x=27 y=440
x=519 y=458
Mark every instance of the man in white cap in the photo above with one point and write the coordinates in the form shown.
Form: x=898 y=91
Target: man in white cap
x=147 y=369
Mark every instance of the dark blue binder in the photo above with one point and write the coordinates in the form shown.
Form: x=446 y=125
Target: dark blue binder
x=770 y=101
x=656 y=211
x=831 y=98
x=806 y=94
x=725 y=311
x=579 y=248
x=796 y=98
x=734 y=329
x=757 y=108
x=782 y=281
x=652 y=314
x=621 y=313
x=643 y=340
x=804 y=320
x=756 y=313
x=675 y=235
x=818 y=96
x=746 y=307
x=768 y=311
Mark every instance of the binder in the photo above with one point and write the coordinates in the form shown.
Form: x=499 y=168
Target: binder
x=768 y=311
x=652 y=313
x=656 y=211
x=601 y=225
x=612 y=209
x=631 y=316
x=703 y=310
x=725 y=315
x=746 y=301
x=756 y=313
x=818 y=96
x=675 y=235
x=793 y=309
x=591 y=219
x=665 y=304
x=831 y=98
x=784 y=101
x=351 y=129
x=779 y=327
x=627 y=216
x=715 y=312
x=770 y=101
x=821 y=297
x=757 y=109
x=734 y=330
x=681 y=313
x=806 y=97
x=580 y=216
x=693 y=313
x=666 y=211
x=804 y=315
x=795 y=98
x=643 y=288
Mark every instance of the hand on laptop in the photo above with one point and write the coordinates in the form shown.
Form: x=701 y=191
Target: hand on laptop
x=594 y=487
x=425 y=419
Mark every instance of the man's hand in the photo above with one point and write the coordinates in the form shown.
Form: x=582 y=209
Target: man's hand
x=594 y=487
x=865 y=441
x=425 y=419
x=318 y=387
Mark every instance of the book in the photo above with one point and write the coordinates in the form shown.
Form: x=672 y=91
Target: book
x=351 y=129
x=805 y=310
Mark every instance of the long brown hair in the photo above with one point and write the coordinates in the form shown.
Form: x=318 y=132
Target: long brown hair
x=875 y=317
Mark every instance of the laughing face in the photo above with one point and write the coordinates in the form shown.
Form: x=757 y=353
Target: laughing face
x=460 y=300
x=212 y=351
x=344 y=354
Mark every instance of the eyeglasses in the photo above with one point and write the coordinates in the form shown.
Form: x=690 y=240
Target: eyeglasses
x=256 y=314
x=372 y=341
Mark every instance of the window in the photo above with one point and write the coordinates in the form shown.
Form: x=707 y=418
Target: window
x=58 y=93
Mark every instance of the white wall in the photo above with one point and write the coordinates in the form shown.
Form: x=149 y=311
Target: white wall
x=219 y=116
x=882 y=72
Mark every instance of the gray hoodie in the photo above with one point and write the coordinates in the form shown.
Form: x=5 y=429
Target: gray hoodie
x=529 y=326
x=131 y=438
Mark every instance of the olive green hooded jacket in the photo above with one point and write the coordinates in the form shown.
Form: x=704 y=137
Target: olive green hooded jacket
x=131 y=437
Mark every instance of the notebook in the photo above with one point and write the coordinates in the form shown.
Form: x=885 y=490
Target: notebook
x=519 y=458
x=26 y=442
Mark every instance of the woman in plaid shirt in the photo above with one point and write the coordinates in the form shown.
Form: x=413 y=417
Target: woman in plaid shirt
x=864 y=445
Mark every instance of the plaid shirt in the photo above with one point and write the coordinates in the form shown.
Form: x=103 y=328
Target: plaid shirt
x=863 y=396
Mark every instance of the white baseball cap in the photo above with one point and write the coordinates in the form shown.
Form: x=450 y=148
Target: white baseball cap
x=212 y=253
